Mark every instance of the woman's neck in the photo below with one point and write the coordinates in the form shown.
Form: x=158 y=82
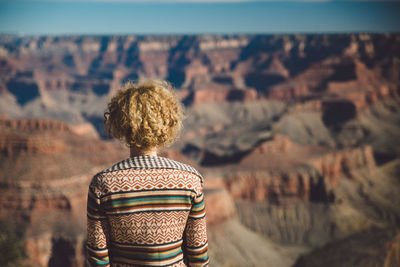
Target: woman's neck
x=134 y=152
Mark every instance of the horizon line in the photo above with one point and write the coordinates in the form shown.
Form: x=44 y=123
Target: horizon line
x=201 y=33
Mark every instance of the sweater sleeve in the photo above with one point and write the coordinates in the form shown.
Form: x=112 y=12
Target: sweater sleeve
x=97 y=228
x=196 y=244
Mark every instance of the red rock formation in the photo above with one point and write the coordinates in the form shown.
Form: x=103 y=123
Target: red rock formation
x=81 y=58
x=45 y=171
x=13 y=141
x=14 y=145
x=261 y=186
x=219 y=206
x=364 y=89
x=32 y=196
x=30 y=125
x=221 y=95
x=278 y=169
x=341 y=163
x=48 y=209
x=36 y=147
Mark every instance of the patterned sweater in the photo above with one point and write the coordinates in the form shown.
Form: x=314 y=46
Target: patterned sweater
x=146 y=211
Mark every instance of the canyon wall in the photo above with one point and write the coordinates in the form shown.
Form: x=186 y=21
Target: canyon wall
x=51 y=75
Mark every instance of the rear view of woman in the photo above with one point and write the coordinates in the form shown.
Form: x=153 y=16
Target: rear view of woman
x=146 y=210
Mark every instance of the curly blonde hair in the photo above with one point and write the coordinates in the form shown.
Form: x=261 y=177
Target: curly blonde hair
x=145 y=116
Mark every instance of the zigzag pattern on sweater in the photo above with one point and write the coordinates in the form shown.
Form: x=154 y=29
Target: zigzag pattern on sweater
x=137 y=180
x=96 y=234
x=196 y=233
x=148 y=228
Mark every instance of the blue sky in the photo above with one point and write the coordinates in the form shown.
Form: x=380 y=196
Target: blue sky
x=196 y=17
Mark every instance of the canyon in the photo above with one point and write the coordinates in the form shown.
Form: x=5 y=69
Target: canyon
x=296 y=135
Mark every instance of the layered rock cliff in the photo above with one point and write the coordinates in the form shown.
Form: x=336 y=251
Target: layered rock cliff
x=44 y=174
x=49 y=75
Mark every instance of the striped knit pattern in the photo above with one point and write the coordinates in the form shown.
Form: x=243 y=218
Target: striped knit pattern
x=151 y=162
x=147 y=211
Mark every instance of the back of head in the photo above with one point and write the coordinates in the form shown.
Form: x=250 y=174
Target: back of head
x=145 y=116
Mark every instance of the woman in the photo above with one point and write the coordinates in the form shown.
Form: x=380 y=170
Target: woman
x=146 y=210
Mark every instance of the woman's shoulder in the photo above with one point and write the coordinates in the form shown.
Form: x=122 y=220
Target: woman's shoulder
x=150 y=162
x=147 y=173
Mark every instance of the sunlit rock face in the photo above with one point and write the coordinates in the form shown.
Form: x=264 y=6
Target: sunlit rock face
x=45 y=170
x=296 y=136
